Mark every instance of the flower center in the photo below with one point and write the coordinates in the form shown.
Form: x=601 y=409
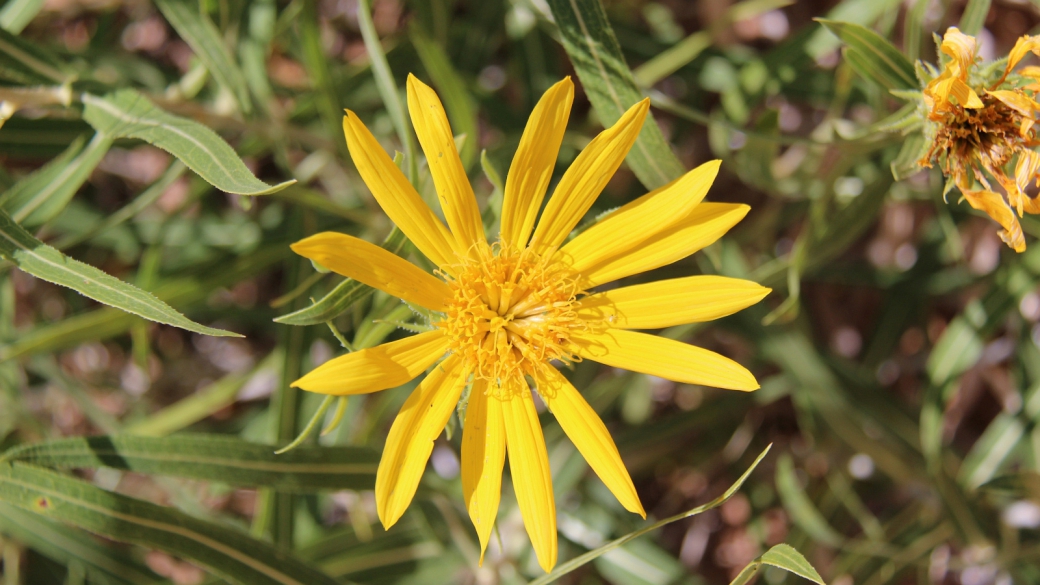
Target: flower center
x=992 y=133
x=510 y=310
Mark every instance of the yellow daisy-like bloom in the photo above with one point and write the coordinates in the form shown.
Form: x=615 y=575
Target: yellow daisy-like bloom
x=511 y=308
x=982 y=132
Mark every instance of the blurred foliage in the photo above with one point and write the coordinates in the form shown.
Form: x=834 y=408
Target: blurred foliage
x=160 y=157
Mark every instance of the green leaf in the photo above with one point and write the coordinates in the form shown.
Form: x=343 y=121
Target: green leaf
x=782 y=556
x=573 y=564
x=974 y=16
x=458 y=102
x=211 y=457
x=42 y=195
x=18 y=13
x=28 y=64
x=54 y=540
x=203 y=37
x=594 y=51
x=227 y=553
x=344 y=295
x=33 y=256
x=912 y=150
x=872 y=56
x=802 y=510
x=128 y=114
x=107 y=322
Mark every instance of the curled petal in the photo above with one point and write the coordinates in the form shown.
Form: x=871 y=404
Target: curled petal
x=993 y=205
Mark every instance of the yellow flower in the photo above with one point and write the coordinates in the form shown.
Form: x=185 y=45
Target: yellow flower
x=512 y=307
x=981 y=132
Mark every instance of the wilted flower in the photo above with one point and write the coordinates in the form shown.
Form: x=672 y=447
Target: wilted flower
x=984 y=131
x=505 y=311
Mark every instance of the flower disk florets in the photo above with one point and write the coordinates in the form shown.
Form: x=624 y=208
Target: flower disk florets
x=510 y=310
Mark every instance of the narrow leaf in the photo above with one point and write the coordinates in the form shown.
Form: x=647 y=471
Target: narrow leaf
x=18 y=13
x=104 y=564
x=33 y=256
x=211 y=457
x=227 y=553
x=803 y=512
x=128 y=114
x=27 y=63
x=203 y=37
x=873 y=56
x=594 y=51
x=43 y=194
x=974 y=16
x=573 y=564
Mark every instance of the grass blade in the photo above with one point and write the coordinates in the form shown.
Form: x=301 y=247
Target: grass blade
x=573 y=564
x=203 y=37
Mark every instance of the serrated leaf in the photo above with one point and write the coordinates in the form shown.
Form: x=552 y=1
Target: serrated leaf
x=211 y=457
x=203 y=37
x=227 y=553
x=344 y=295
x=872 y=56
x=128 y=114
x=43 y=194
x=594 y=51
x=33 y=256
x=573 y=564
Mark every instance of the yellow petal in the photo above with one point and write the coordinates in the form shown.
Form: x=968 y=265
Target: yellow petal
x=529 y=467
x=964 y=95
x=671 y=302
x=1018 y=101
x=1023 y=46
x=640 y=220
x=533 y=163
x=589 y=435
x=705 y=224
x=410 y=442
x=377 y=368
x=961 y=49
x=449 y=176
x=583 y=181
x=396 y=195
x=661 y=357
x=483 y=456
x=993 y=205
x=355 y=258
x=1025 y=172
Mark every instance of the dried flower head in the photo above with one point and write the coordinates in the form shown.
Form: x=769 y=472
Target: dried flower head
x=984 y=130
